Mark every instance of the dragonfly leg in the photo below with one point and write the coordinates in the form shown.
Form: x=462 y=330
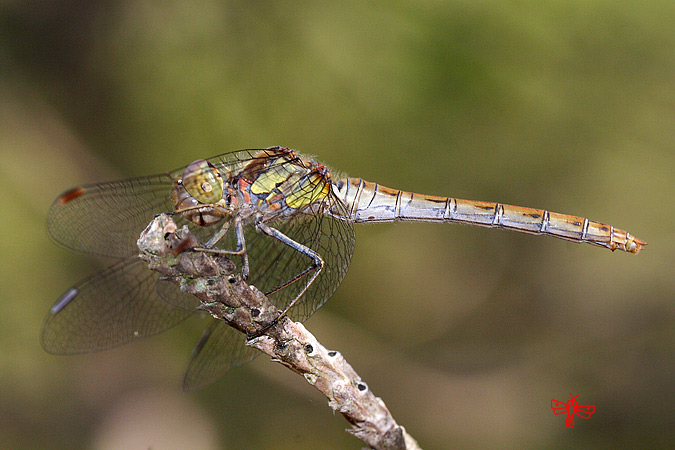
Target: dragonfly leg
x=218 y=235
x=241 y=245
x=316 y=266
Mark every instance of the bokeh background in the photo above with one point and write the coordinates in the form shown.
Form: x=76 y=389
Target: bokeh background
x=466 y=333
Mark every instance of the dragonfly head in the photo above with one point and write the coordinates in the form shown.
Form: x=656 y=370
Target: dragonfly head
x=198 y=195
x=202 y=181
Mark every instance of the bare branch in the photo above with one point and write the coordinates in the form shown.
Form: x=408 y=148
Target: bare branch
x=211 y=277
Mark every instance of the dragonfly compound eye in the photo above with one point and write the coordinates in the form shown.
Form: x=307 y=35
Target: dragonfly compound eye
x=203 y=181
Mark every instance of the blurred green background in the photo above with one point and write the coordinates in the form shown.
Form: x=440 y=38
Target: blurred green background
x=466 y=333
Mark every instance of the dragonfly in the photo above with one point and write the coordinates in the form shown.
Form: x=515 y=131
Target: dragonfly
x=571 y=408
x=285 y=220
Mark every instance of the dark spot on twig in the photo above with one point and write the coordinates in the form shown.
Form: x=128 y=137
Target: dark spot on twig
x=279 y=346
x=309 y=348
x=255 y=312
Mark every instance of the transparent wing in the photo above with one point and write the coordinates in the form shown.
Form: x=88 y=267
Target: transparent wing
x=273 y=263
x=171 y=293
x=234 y=162
x=108 y=309
x=220 y=349
x=107 y=218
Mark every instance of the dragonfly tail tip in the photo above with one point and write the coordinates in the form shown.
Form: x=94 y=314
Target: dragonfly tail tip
x=635 y=245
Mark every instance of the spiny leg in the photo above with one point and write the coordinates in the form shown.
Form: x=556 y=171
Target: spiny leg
x=317 y=266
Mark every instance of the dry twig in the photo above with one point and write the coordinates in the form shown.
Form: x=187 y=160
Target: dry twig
x=211 y=278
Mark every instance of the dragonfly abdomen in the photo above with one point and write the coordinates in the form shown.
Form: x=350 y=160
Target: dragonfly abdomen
x=370 y=202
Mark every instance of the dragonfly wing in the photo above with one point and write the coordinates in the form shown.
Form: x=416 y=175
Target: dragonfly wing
x=220 y=349
x=559 y=407
x=108 y=309
x=273 y=263
x=170 y=292
x=233 y=163
x=584 y=411
x=107 y=218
